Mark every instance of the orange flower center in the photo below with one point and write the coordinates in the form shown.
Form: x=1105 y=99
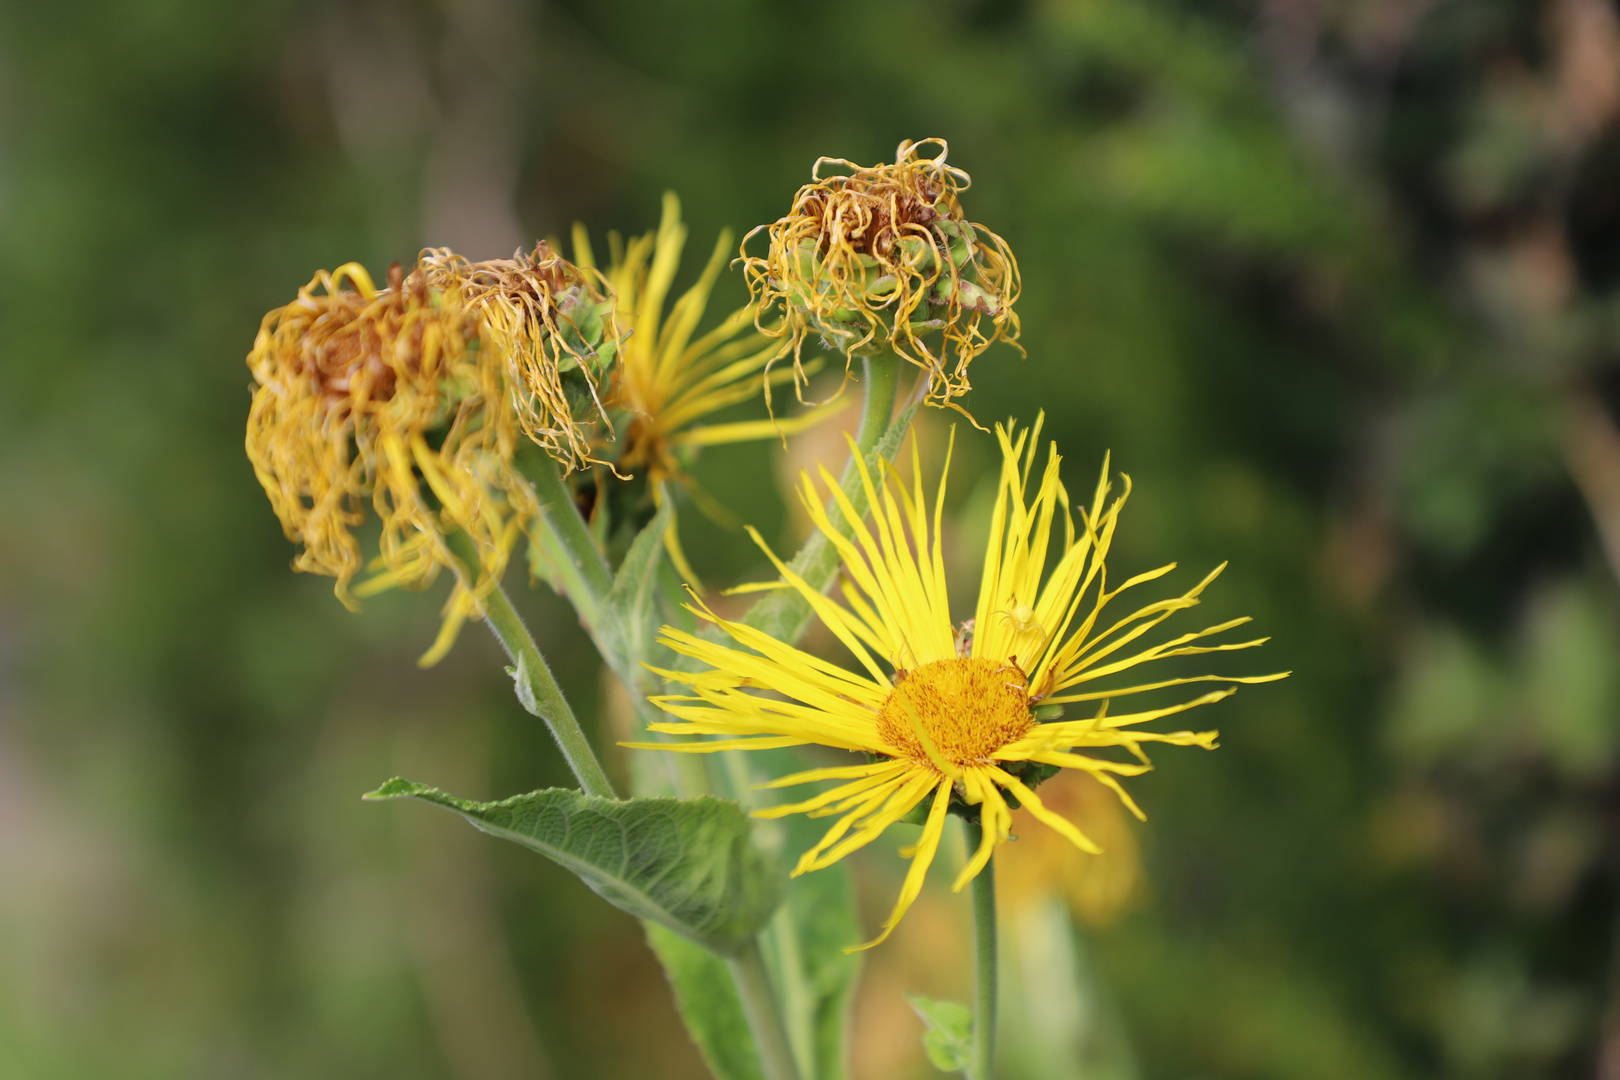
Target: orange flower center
x=958 y=711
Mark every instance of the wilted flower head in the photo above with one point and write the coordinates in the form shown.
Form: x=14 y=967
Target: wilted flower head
x=551 y=323
x=385 y=395
x=883 y=256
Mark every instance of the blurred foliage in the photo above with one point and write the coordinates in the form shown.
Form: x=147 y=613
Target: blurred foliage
x=1336 y=283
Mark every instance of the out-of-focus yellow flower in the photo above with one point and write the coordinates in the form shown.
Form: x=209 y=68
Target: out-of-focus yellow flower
x=955 y=716
x=1097 y=888
x=667 y=381
x=401 y=396
x=882 y=257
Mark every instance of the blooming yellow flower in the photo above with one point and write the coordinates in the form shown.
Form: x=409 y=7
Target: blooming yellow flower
x=947 y=711
x=883 y=256
x=666 y=380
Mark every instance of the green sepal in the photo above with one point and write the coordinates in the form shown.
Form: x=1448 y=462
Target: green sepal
x=686 y=864
x=974 y=298
x=883 y=286
x=918 y=815
x=959 y=236
x=918 y=253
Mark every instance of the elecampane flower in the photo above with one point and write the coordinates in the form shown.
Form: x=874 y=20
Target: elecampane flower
x=669 y=379
x=882 y=256
x=413 y=397
x=381 y=395
x=945 y=711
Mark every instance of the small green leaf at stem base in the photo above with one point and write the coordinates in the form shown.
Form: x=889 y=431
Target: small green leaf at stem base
x=686 y=864
x=523 y=686
x=947 y=1032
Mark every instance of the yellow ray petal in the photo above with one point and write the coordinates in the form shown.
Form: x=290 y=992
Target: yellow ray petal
x=1030 y=802
x=749 y=430
x=921 y=860
x=715 y=745
x=994 y=820
x=839 y=772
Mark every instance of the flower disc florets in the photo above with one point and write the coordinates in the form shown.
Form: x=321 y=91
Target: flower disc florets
x=956 y=712
x=883 y=257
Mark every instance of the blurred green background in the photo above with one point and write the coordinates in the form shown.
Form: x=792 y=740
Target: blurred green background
x=1337 y=282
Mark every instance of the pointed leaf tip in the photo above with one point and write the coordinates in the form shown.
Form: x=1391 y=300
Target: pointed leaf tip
x=686 y=864
x=397 y=788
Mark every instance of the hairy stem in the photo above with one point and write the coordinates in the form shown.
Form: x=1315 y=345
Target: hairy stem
x=984 y=956
x=586 y=574
x=541 y=696
x=764 y=1018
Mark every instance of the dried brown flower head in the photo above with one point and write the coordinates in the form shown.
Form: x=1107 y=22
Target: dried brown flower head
x=385 y=396
x=883 y=257
x=552 y=324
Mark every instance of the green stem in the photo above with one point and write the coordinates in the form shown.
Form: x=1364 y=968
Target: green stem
x=587 y=576
x=764 y=1018
x=587 y=581
x=984 y=955
x=541 y=695
x=881 y=375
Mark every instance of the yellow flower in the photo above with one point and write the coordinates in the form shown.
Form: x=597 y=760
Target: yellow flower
x=666 y=380
x=399 y=396
x=883 y=256
x=946 y=711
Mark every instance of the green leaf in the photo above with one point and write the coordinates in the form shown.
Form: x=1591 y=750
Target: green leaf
x=804 y=946
x=687 y=864
x=947 y=1034
x=630 y=607
x=707 y=999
